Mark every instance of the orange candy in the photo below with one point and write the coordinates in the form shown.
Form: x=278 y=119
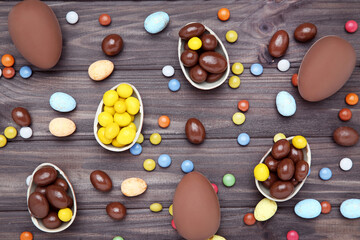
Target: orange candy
x=325 y=207
x=8 y=72
x=224 y=14
x=7 y=60
x=345 y=114
x=352 y=99
x=164 y=121
x=249 y=219
x=26 y=236
x=104 y=19
x=294 y=80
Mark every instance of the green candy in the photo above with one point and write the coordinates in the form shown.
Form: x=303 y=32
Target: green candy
x=118 y=238
x=229 y=180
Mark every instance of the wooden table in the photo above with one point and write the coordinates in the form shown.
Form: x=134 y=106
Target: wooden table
x=140 y=63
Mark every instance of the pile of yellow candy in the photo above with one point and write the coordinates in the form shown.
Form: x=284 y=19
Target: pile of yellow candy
x=117 y=117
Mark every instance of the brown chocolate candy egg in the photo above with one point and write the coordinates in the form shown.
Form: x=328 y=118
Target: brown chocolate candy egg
x=112 y=44
x=294 y=182
x=195 y=131
x=51 y=221
x=21 y=116
x=209 y=42
x=279 y=43
x=41 y=190
x=101 y=181
x=346 y=136
x=280 y=149
x=36 y=33
x=271 y=180
x=198 y=74
x=45 y=176
x=189 y=58
x=295 y=154
x=38 y=205
x=191 y=30
x=271 y=163
x=213 y=77
x=286 y=169
x=57 y=197
x=301 y=170
x=213 y=62
x=281 y=189
x=196 y=207
x=61 y=183
x=305 y=32
x=116 y=210
x=70 y=202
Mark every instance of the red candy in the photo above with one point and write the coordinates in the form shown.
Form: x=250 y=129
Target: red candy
x=292 y=235
x=216 y=189
x=294 y=80
x=325 y=207
x=351 y=26
x=8 y=72
x=104 y=19
x=345 y=114
x=173 y=224
x=243 y=105
x=249 y=219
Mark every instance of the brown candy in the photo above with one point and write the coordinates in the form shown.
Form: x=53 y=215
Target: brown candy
x=44 y=176
x=61 y=183
x=191 y=30
x=101 y=181
x=112 y=44
x=41 y=190
x=21 y=116
x=198 y=74
x=305 y=32
x=279 y=43
x=116 y=210
x=213 y=62
x=280 y=149
x=38 y=205
x=209 y=42
x=295 y=154
x=294 y=182
x=271 y=180
x=213 y=77
x=281 y=189
x=57 y=197
x=271 y=163
x=346 y=136
x=195 y=131
x=51 y=221
x=301 y=170
x=189 y=58
x=286 y=169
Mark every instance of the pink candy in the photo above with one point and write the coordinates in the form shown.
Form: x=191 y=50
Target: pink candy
x=215 y=187
x=292 y=235
x=351 y=26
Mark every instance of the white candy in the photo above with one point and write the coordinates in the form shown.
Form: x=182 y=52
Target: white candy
x=72 y=17
x=26 y=132
x=168 y=71
x=346 y=164
x=283 y=65
x=0 y=72
x=28 y=179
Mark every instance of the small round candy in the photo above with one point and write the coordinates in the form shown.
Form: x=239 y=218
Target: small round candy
x=325 y=174
x=124 y=90
x=164 y=121
x=231 y=36
x=110 y=97
x=299 y=142
x=345 y=114
x=104 y=19
x=309 y=172
x=26 y=236
x=351 y=26
x=173 y=224
x=7 y=60
x=256 y=69
x=136 y=149
x=65 y=214
x=25 y=132
x=223 y=14
x=351 y=98
x=234 y=82
x=140 y=139
x=325 y=207
x=229 y=180
x=156 y=207
x=346 y=164
x=28 y=180
x=294 y=79
x=25 y=72
x=283 y=65
x=216 y=189
x=168 y=71
x=174 y=85
x=118 y=238
x=237 y=68
x=187 y=166
x=164 y=160
x=243 y=105
x=171 y=210
x=194 y=43
x=149 y=165
x=72 y=17
x=292 y=235
x=8 y=72
x=238 y=118
x=278 y=137
x=261 y=172
x=155 y=138
x=0 y=72
x=243 y=139
x=105 y=119
x=249 y=219
x=10 y=132
x=3 y=141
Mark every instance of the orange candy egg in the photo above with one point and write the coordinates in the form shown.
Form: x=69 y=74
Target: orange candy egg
x=164 y=121
x=224 y=14
x=26 y=236
x=7 y=60
x=104 y=19
x=352 y=99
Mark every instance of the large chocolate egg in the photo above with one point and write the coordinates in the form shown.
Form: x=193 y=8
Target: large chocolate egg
x=325 y=68
x=213 y=62
x=44 y=176
x=36 y=33
x=196 y=208
x=57 y=197
x=38 y=205
x=195 y=131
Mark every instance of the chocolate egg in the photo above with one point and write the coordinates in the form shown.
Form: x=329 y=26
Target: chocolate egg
x=286 y=169
x=301 y=170
x=51 y=221
x=195 y=131
x=280 y=149
x=295 y=154
x=101 y=181
x=346 y=136
x=36 y=33
x=57 y=197
x=294 y=182
x=44 y=176
x=271 y=163
x=271 y=180
x=189 y=58
x=116 y=210
x=213 y=62
x=41 y=190
x=213 y=77
x=196 y=207
x=112 y=44
x=325 y=68
x=305 y=32
x=21 y=116
x=279 y=43
x=61 y=183
x=209 y=42
x=281 y=189
x=70 y=201
x=198 y=74
x=191 y=30
x=38 y=205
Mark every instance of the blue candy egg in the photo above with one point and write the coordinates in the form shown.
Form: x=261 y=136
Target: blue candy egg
x=187 y=166
x=156 y=22
x=136 y=149
x=325 y=174
x=256 y=69
x=350 y=208
x=164 y=160
x=62 y=102
x=285 y=104
x=174 y=85
x=243 y=139
x=25 y=72
x=308 y=208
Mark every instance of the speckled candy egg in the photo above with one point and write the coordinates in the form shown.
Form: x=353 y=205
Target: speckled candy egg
x=62 y=102
x=285 y=104
x=156 y=22
x=308 y=208
x=350 y=208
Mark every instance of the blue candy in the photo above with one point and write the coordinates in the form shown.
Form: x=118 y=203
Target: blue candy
x=325 y=174
x=256 y=69
x=25 y=72
x=136 y=149
x=164 y=160
x=285 y=104
x=156 y=22
x=308 y=208
x=350 y=208
x=187 y=166
x=243 y=139
x=174 y=85
x=62 y=102
x=309 y=172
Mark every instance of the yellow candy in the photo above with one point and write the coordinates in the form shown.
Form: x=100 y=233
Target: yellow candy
x=3 y=141
x=124 y=90
x=265 y=209
x=171 y=210
x=120 y=106
x=261 y=172
x=217 y=237
x=234 y=82
x=10 y=132
x=156 y=207
x=65 y=214
x=238 y=118
x=123 y=119
x=299 y=142
x=115 y=143
x=110 y=97
x=126 y=136
x=110 y=110
x=155 y=138
x=112 y=130
x=279 y=136
x=231 y=36
x=132 y=125
x=101 y=136
x=132 y=105
x=149 y=165
x=140 y=139
x=237 y=68
x=132 y=117
x=105 y=119
x=194 y=43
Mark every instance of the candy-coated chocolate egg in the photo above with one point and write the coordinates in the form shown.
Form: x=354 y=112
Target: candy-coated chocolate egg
x=198 y=74
x=305 y=32
x=213 y=62
x=21 y=116
x=195 y=131
x=61 y=183
x=279 y=43
x=56 y=196
x=346 y=136
x=271 y=180
x=281 y=189
x=213 y=77
x=295 y=154
x=286 y=169
x=116 y=210
x=44 y=176
x=271 y=163
x=51 y=221
x=280 y=149
x=189 y=58
x=101 y=181
x=191 y=30
x=301 y=170
x=38 y=205
x=112 y=44
x=209 y=42
x=41 y=190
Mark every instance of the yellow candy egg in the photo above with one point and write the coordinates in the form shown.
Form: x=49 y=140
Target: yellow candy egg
x=194 y=43
x=132 y=125
x=3 y=141
x=115 y=143
x=105 y=119
x=234 y=82
x=238 y=118
x=261 y=172
x=265 y=209
x=132 y=117
x=140 y=139
x=123 y=119
x=126 y=136
x=155 y=138
x=110 y=110
x=237 y=68
x=120 y=106
x=132 y=105
x=10 y=132
x=217 y=237
x=299 y=142
x=65 y=214
x=171 y=210
x=149 y=165
x=231 y=36
x=110 y=97
x=279 y=136
x=112 y=130
x=101 y=136
x=124 y=90
x=156 y=207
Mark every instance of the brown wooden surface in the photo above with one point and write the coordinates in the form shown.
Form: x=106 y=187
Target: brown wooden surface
x=140 y=63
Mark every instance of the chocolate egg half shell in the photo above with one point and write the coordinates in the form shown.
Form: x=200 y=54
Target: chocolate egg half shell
x=196 y=208
x=36 y=33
